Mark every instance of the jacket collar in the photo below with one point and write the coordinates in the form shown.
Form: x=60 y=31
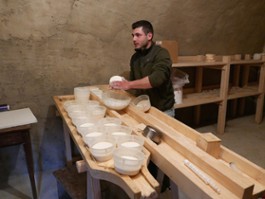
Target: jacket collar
x=145 y=51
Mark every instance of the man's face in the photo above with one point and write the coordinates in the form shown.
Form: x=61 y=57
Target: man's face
x=140 y=39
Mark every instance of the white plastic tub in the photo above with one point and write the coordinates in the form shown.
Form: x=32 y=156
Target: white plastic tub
x=128 y=161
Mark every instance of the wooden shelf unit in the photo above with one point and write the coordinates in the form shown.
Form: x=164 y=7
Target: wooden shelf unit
x=239 y=88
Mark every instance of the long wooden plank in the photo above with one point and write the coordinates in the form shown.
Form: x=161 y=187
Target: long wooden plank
x=248 y=168
x=236 y=183
x=243 y=165
x=255 y=172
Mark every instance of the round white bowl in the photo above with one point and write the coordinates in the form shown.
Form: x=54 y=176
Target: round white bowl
x=131 y=142
x=91 y=103
x=128 y=161
x=142 y=103
x=118 y=131
x=79 y=120
x=109 y=121
x=96 y=112
x=85 y=126
x=74 y=107
x=115 y=100
x=68 y=103
x=93 y=133
x=77 y=114
x=102 y=148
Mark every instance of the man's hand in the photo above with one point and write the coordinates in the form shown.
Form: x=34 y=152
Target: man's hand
x=143 y=83
x=121 y=85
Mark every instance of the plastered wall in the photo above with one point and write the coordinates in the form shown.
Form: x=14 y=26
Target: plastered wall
x=49 y=47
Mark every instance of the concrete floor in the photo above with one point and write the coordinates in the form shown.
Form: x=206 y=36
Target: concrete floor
x=242 y=135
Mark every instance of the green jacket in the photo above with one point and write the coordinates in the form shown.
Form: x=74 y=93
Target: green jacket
x=155 y=63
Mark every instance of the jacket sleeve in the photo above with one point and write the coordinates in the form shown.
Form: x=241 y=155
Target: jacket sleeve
x=161 y=69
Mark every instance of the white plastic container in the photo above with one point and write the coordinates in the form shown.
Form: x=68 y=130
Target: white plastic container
x=257 y=56
x=85 y=126
x=128 y=161
x=91 y=103
x=142 y=103
x=92 y=133
x=178 y=95
x=131 y=142
x=109 y=121
x=81 y=94
x=68 y=103
x=118 y=131
x=179 y=79
x=96 y=113
x=102 y=148
x=74 y=114
x=115 y=100
x=79 y=120
x=96 y=91
x=74 y=107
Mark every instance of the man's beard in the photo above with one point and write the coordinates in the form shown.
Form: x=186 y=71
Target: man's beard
x=142 y=48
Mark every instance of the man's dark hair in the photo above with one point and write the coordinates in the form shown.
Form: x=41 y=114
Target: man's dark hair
x=147 y=26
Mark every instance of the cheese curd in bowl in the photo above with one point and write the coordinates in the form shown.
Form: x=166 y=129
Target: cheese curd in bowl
x=131 y=142
x=128 y=161
x=115 y=99
x=102 y=148
x=118 y=131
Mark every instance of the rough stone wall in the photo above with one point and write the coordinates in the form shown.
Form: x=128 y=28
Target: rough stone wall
x=49 y=47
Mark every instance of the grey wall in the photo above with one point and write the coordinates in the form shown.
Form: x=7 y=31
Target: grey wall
x=49 y=47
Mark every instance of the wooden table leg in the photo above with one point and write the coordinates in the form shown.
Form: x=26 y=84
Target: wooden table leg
x=93 y=187
x=29 y=159
x=223 y=94
x=198 y=89
x=68 y=148
x=235 y=83
x=260 y=99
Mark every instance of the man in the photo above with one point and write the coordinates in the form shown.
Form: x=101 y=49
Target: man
x=150 y=69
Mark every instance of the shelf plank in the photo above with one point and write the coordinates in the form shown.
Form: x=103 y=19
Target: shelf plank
x=194 y=99
x=247 y=62
x=237 y=92
x=212 y=96
x=196 y=64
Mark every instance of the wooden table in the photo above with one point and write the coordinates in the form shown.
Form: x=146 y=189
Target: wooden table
x=139 y=186
x=179 y=143
x=15 y=129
